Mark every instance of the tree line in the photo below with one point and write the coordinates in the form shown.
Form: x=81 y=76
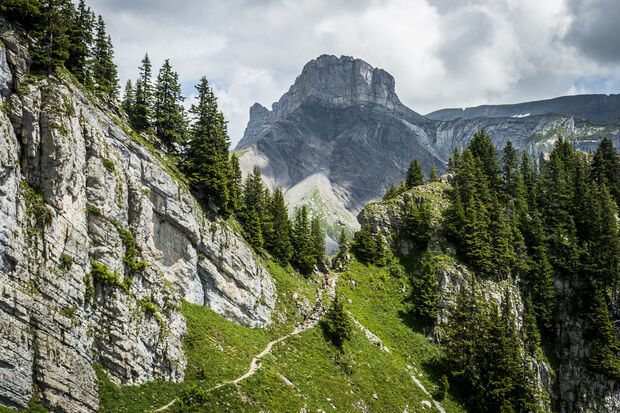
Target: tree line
x=67 y=36
x=536 y=222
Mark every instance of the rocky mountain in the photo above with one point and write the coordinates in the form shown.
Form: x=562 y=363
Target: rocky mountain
x=565 y=383
x=100 y=239
x=340 y=135
x=593 y=108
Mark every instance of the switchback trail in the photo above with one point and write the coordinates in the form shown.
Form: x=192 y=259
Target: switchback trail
x=312 y=320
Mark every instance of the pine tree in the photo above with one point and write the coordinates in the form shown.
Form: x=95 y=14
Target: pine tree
x=24 y=12
x=50 y=30
x=318 y=240
x=129 y=99
x=235 y=184
x=606 y=167
x=105 y=76
x=206 y=160
x=434 y=175
x=252 y=230
x=605 y=350
x=280 y=245
x=415 y=176
x=337 y=324
x=301 y=241
x=481 y=147
x=365 y=246
x=510 y=169
x=81 y=38
x=254 y=193
x=142 y=119
x=417 y=222
x=168 y=114
x=424 y=295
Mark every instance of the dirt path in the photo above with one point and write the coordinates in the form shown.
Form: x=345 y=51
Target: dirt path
x=312 y=320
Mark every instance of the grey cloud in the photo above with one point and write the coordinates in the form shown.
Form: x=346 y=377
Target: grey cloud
x=594 y=28
x=441 y=52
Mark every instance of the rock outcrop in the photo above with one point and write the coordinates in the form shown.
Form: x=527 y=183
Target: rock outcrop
x=568 y=386
x=99 y=242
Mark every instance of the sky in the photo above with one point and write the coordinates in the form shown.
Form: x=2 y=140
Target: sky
x=442 y=53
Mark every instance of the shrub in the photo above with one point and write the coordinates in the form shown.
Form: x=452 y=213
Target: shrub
x=337 y=324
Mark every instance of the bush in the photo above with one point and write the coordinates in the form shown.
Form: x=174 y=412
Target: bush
x=337 y=324
x=193 y=396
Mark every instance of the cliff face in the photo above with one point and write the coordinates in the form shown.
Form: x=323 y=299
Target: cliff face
x=99 y=242
x=565 y=386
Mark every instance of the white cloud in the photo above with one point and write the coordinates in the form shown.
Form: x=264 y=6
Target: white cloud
x=442 y=53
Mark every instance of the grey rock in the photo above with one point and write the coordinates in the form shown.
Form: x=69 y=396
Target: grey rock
x=340 y=135
x=96 y=183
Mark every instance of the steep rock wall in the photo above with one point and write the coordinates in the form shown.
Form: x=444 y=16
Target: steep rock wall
x=99 y=242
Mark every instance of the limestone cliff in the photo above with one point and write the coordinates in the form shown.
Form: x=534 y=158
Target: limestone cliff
x=99 y=242
x=565 y=383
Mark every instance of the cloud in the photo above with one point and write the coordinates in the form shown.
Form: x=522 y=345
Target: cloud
x=442 y=53
x=594 y=28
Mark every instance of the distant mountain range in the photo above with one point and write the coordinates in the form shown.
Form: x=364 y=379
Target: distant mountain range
x=340 y=135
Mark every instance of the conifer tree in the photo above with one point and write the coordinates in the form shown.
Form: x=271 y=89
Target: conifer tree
x=301 y=241
x=168 y=114
x=252 y=230
x=606 y=167
x=481 y=147
x=24 y=12
x=434 y=175
x=142 y=120
x=365 y=246
x=50 y=30
x=424 y=295
x=510 y=169
x=129 y=99
x=81 y=37
x=235 y=184
x=280 y=244
x=318 y=240
x=206 y=160
x=417 y=222
x=254 y=192
x=105 y=77
x=337 y=324
x=605 y=351
x=415 y=176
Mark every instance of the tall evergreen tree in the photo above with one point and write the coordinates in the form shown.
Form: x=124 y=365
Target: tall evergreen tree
x=605 y=351
x=142 y=120
x=129 y=99
x=434 y=175
x=81 y=37
x=606 y=167
x=50 y=30
x=105 y=76
x=415 y=176
x=280 y=245
x=424 y=294
x=510 y=168
x=235 y=184
x=337 y=324
x=301 y=241
x=206 y=160
x=168 y=113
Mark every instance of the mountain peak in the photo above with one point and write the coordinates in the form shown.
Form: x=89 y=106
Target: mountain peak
x=332 y=81
x=340 y=81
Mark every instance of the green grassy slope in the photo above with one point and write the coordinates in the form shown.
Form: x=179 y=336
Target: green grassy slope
x=304 y=370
